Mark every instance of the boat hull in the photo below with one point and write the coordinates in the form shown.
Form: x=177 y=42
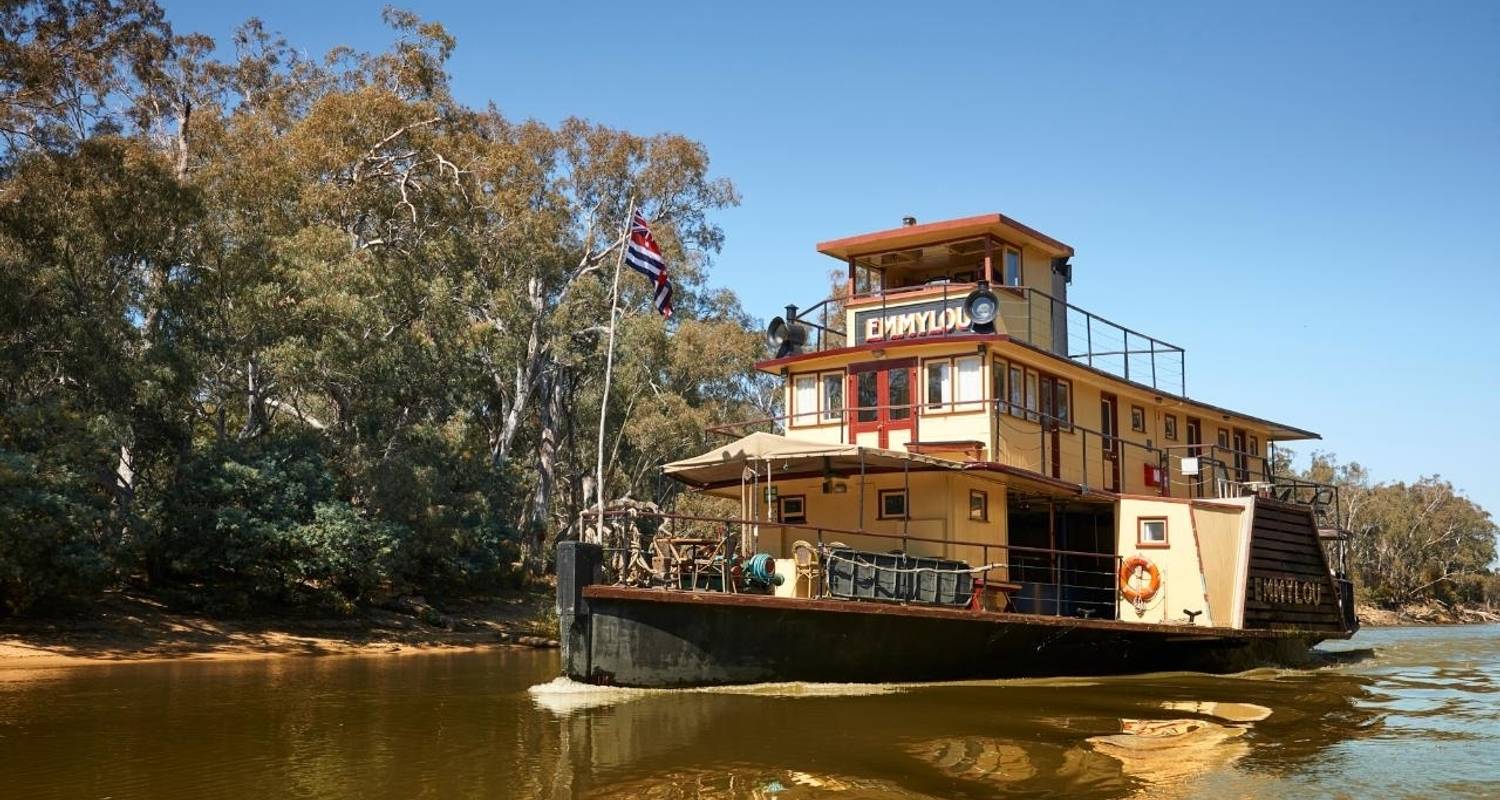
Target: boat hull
x=660 y=638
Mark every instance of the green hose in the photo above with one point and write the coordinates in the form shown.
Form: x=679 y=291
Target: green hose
x=760 y=570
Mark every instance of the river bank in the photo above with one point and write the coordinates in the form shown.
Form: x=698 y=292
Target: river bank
x=1429 y=613
x=127 y=628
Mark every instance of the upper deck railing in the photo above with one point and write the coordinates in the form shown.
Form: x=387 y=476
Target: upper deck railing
x=1026 y=315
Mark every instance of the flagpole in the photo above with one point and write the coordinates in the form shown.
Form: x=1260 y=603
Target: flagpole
x=609 y=364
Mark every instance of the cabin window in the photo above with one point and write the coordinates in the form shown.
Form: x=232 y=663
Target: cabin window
x=970 y=382
x=1017 y=387
x=793 y=509
x=1254 y=446
x=1012 y=267
x=892 y=504
x=997 y=383
x=868 y=398
x=954 y=384
x=979 y=505
x=1224 y=438
x=833 y=397
x=1169 y=427
x=1063 y=404
x=805 y=399
x=1031 y=396
x=1138 y=419
x=939 y=384
x=1153 y=532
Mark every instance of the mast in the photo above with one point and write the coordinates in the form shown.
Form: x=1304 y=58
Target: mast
x=609 y=364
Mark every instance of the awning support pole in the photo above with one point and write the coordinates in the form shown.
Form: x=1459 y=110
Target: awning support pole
x=861 y=488
x=906 y=512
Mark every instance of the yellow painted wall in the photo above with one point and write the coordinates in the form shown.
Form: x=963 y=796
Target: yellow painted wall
x=939 y=509
x=1182 y=582
x=1016 y=441
x=1223 y=539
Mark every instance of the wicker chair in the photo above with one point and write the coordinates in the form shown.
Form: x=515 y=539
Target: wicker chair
x=809 y=569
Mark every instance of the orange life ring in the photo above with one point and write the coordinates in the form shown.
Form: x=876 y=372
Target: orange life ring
x=1127 y=571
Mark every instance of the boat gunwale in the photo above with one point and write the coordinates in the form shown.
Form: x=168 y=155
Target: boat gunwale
x=666 y=595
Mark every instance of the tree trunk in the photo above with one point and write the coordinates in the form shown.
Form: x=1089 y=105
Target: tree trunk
x=526 y=375
x=539 y=512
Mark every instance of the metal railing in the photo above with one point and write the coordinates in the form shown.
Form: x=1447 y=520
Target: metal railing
x=1045 y=322
x=1227 y=472
x=1036 y=318
x=682 y=552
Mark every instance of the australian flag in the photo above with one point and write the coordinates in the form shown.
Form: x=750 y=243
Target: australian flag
x=643 y=256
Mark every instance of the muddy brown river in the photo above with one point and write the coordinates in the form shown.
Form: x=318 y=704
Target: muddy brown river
x=1420 y=717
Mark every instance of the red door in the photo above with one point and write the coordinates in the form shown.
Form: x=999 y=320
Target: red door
x=1051 y=440
x=1109 y=428
x=1195 y=438
x=882 y=392
x=1241 y=460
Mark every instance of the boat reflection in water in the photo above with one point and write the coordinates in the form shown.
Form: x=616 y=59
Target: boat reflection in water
x=1416 y=720
x=1160 y=735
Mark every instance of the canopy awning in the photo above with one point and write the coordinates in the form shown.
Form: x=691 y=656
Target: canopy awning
x=726 y=465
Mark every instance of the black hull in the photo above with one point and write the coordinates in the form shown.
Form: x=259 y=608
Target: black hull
x=657 y=638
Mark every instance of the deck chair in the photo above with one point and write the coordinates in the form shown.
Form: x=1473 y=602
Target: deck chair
x=809 y=569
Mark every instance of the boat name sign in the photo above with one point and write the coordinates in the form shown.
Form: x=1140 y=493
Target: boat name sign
x=934 y=318
x=1286 y=591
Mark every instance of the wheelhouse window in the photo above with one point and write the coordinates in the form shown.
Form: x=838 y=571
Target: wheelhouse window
x=832 y=397
x=892 y=504
x=1153 y=532
x=1169 y=427
x=979 y=505
x=1138 y=419
x=1013 y=275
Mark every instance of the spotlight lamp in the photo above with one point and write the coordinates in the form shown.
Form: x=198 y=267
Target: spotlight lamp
x=786 y=338
x=983 y=307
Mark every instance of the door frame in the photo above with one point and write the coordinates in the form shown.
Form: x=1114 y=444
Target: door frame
x=883 y=424
x=1239 y=442
x=1109 y=430
x=1193 y=430
x=1047 y=405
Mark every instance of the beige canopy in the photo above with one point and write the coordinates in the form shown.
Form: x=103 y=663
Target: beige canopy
x=725 y=465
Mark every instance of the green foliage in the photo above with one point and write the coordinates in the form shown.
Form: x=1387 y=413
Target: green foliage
x=54 y=513
x=1412 y=541
x=277 y=331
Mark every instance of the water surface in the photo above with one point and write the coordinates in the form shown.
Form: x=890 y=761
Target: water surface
x=1419 y=718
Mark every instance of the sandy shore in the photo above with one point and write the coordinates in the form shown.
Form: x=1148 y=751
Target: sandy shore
x=1424 y=614
x=125 y=629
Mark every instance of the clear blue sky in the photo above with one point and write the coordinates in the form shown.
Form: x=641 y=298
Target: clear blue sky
x=1304 y=195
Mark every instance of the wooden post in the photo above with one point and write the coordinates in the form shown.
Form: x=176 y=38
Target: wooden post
x=989 y=261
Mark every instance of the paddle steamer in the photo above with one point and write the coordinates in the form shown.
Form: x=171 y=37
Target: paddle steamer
x=973 y=478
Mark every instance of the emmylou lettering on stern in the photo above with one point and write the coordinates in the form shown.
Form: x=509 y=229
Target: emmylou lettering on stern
x=936 y=318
